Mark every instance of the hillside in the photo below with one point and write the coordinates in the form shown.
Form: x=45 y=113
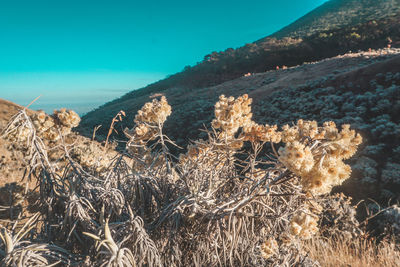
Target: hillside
x=362 y=89
x=7 y=110
x=11 y=165
x=260 y=57
x=322 y=90
x=335 y=14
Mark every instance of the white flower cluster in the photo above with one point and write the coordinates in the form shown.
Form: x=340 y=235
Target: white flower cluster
x=68 y=118
x=269 y=248
x=148 y=119
x=297 y=157
x=91 y=155
x=156 y=111
x=47 y=127
x=304 y=224
x=254 y=132
x=316 y=154
x=19 y=135
x=231 y=114
x=50 y=127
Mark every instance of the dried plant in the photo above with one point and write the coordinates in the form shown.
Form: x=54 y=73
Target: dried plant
x=113 y=254
x=231 y=114
x=358 y=252
x=116 y=118
x=149 y=126
x=316 y=154
x=20 y=252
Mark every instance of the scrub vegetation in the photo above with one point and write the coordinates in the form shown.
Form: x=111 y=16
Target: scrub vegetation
x=283 y=152
x=247 y=194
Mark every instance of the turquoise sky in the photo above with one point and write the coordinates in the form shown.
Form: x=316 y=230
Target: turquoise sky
x=80 y=54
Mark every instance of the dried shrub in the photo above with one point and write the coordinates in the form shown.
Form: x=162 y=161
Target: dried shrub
x=211 y=206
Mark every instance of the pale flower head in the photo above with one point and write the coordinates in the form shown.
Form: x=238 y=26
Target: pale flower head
x=304 y=224
x=155 y=112
x=231 y=114
x=67 y=118
x=254 y=132
x=297 y=157
x=269 y=248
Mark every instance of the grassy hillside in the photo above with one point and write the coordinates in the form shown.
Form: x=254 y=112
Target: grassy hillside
x=335 y=14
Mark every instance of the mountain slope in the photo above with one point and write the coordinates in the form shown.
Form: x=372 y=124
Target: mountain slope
x=192 y=108
x=230 y=65
x=338 y=13
x=362 y=89
x=194 y=91
x=7 y=110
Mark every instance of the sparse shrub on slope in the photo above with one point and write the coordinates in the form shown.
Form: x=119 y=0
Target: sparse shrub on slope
x=218 y=204
x=372 y=109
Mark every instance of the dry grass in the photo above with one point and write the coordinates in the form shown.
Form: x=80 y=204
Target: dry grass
x=356 y=252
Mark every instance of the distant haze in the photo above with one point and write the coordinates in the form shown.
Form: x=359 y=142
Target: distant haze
x=80 y=91
x=81 y=54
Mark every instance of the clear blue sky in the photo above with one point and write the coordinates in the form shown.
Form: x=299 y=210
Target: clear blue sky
x=81 y=53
